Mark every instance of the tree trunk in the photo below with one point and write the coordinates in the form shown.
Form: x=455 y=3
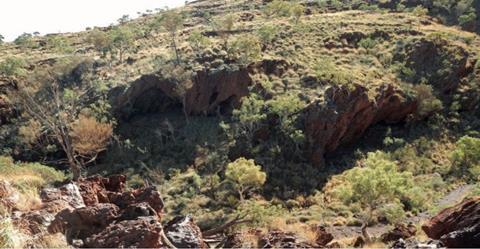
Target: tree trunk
x=184 y=108
x=73 y=167
x=174 y=43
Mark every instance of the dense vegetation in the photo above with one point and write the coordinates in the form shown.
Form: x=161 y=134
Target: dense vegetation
x=253 y=160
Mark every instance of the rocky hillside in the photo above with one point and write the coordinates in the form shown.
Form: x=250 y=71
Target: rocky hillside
x=268 y=123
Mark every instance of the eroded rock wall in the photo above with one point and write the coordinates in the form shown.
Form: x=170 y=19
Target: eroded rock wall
x=346 y=113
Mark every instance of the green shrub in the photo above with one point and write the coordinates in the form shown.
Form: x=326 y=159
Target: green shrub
x=466 y=158
x=261 y=213
x=13 y=66
x=467 y=20
x=326 y=70
x=246 y=48
x=267 y=33
x=367 y=43
x=59 y=44
x=420 y=11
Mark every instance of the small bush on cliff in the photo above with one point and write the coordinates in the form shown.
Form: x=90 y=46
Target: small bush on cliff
x=466 y=158
x=326 y=70
x=245 y=176
x=198 y=41
x=13 y=66
x=59 y=44
x=427 y=102
x=267 y=34
x=246 y=48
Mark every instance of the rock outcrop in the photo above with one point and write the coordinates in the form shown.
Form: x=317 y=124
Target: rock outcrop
x=346 y=113
x=218 y=90
x=183 y=233
x=98 y=212
x=437 y=61
x=458 y=226
x=400 y=231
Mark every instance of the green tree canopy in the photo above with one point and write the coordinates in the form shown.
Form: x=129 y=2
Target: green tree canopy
x=466 y=158
x=245 y=175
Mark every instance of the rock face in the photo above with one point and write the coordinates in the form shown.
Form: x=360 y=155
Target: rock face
x=458 y=226
x=347 y=113
x=211 y=91
x=437 y=61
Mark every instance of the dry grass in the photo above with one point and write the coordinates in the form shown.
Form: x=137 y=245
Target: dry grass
x=303 y=231
x=10 y=237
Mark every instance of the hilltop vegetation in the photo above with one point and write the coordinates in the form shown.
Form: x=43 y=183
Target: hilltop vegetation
x=303 y=113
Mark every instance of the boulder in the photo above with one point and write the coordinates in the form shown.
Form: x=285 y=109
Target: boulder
x=322 y=236
x=68 y=194
x=457 y=226
x=184 y=233
x=83 y=222
x=400 y=231
x=144 y=232
x=346 y=113
x=414 y=244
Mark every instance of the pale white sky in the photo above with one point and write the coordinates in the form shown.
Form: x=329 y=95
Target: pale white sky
x=53 y=16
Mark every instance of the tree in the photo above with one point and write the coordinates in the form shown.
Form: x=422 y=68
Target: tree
x=13 y=66
x=122 y=40
x=224 y=27
x=297 y=11
x=378 y=183
x=246 y=48
x=124 y=19
x=100 y=40
x=278 y=8
x=57 y=108
x=245 y=175
x=24 y=40
x=172 y=21
x=1 y=39
x=466 y=158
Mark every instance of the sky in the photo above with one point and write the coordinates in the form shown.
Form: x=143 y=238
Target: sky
x=54 y=16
